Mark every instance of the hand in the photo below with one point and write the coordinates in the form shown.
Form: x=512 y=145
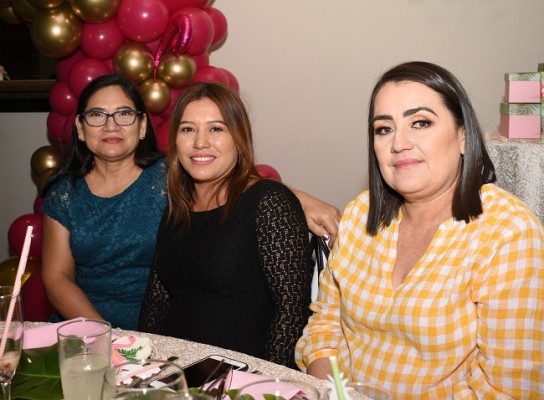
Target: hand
x=322 y=218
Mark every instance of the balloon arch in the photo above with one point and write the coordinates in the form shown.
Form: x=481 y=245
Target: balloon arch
x=161 y=45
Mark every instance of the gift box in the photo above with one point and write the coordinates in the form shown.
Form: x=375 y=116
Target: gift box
x=520 y=121
x=522 y=87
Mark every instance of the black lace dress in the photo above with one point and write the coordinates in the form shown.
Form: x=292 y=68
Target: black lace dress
x=242 y=284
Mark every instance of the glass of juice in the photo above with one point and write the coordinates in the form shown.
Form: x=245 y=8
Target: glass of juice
x=84 y=357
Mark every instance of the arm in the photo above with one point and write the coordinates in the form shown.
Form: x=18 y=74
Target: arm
x=283 y=247
x=322 y=218
x=509 y=290
x=320 y=368
x=58 y=269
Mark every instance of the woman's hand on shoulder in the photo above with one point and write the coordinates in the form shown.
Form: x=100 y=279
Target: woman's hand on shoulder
x=322 y=218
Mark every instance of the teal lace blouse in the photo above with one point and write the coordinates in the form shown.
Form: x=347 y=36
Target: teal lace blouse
x=112 y=239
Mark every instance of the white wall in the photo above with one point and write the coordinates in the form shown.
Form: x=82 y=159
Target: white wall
x=306 y=68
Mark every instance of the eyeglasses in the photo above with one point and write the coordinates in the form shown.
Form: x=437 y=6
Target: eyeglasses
x=97 y=118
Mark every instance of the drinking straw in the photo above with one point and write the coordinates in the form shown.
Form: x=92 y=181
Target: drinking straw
x=337 y=378
x=16 y=287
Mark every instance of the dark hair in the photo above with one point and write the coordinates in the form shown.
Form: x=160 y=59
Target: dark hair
x=476 y=168
x=180 y=183
x=78 y=159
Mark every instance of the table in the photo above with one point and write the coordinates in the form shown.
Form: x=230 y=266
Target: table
x=519 y=164
x=189 y=352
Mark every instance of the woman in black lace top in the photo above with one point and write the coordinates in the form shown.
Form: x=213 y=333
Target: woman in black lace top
x=232 y=265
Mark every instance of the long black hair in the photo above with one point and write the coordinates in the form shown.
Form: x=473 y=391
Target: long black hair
x=476 y=168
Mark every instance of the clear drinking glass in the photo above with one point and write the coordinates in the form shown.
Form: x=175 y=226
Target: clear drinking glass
x=11 y=331
x=84 y=356
x=278 y=389
x=146 y=380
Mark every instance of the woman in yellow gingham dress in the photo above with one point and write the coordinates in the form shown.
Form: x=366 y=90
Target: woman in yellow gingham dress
x=435 y=285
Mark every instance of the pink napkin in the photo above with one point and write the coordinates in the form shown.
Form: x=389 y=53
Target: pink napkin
x=45 y=335
x=241 y=378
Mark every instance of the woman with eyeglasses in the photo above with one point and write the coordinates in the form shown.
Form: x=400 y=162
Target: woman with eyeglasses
x=104 y=203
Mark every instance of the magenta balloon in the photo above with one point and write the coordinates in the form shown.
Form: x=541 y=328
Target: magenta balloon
x=68 y=125
x=38 y=201
x=174 y=5
x=64 y=64
x=202 y=27
x=83 y=72
x=17 y=234
x=55 y=124
x=266 y=171
x=61 y=98
x=162 y=133
x=232 y=81
x=210 y=74
x=101 y=41
x=142 y=20
x=202 y=60
x=153 y=46
x=219 y=24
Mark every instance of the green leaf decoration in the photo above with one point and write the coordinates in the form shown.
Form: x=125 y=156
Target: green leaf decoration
x=38 y=375
x=246 y=397
x=129 y=354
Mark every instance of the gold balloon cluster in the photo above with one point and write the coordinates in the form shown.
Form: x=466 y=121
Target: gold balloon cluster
x=135 y=61
x=43 y=163
x=56 y=25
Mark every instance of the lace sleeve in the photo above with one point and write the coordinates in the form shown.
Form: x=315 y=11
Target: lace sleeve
x=154 y=305
x=282 y=236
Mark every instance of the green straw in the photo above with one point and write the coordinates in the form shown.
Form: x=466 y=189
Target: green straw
x=337 y=378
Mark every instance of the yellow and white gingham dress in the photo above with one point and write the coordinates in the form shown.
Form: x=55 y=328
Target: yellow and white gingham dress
x=467 y=322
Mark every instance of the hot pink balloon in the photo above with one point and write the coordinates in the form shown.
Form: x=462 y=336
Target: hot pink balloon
x=61 y=98
x=36 y=307
x=68 y=125
x=174 y=5
x=142 y=20
x=211 y=74
x=55 y=124
x=232 y=81
x=153 y=46
x=38 y=201
x=65 y=64
x=268 y=172
x=202 y=60
x=101 y=41
x=203 y=31
x=219 y=24
x=17 y=234
x=83 y=72
x=162 y=133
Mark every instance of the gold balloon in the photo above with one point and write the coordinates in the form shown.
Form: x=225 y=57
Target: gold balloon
x=7 y=15
x=133 y=60
x=176 y=71
x=8 y=270
x=46 y=4
x=42 y=179
x=24 y=10
x=156 y=95
x=95 y=11
x=56 y=32
x=46 y=157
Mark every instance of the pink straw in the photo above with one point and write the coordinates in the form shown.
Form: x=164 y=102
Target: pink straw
x=16 y=287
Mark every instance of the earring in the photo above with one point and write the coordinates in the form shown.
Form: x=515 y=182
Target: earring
x=81 y=138
x=142 y=137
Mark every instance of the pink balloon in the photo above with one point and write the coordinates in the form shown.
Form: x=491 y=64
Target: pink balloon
x=55 y=124
x=61 y=99
x=219 y=24
x=203 y=32
x=17 y=234
x=142 y=20
x=268 y=172
x=162 y=133
x=101 y=41
x=174 y=94
x=202 y=60
x=36 y=307
x=109 y=64
x=232 y=81
x=153 y=46
x=210 y=74
x=64 y=64
x=38 y=201
x=174 y=5
x=83 y=72
x=68 y=124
